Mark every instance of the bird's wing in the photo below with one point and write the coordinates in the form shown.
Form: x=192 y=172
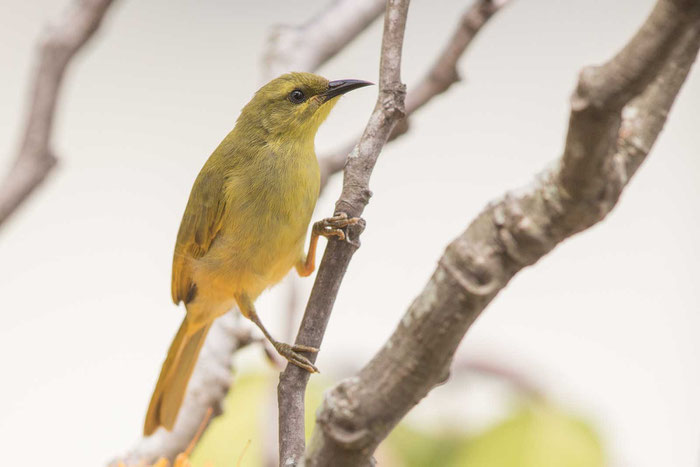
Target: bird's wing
x=200 y=224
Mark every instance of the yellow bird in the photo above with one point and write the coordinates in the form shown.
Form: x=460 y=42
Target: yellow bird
x=245 y=223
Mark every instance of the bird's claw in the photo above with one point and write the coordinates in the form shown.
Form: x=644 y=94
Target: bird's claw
x=291 y=353
x=333 y=226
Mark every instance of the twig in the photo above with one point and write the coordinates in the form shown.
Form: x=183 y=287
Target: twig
x=306 y=47
x=439 y=78
x=353 y=199
x=57 y=47
x=444 y=72
x=617 y=113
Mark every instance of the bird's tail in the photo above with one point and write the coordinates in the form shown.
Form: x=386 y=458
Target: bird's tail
x=172 y=382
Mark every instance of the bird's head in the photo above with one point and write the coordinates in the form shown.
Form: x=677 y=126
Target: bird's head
x=294 y=105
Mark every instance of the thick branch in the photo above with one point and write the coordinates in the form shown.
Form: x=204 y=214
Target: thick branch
x=510 y=234
x=306 y=47
x=440 y=76
x=355 y=195
x=59 y=44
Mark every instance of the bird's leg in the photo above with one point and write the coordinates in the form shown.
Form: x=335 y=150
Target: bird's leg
x=290 y=352
x=328 y=227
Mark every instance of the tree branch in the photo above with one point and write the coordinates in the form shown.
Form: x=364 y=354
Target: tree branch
x=355 y=195
x=444 y=72
x=439 y=78
x=630 y=96
x=207 y=389
x=306 y=47
x=57 y=47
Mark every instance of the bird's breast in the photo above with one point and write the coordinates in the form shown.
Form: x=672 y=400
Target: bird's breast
x=268 y=211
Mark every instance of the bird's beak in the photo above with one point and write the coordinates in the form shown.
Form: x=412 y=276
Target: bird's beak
x=341 y=86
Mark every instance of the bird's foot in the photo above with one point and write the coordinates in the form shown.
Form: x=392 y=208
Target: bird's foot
x=291 y=353
x=333 y=226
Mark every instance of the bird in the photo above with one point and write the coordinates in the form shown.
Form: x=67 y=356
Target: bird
x=245 y=224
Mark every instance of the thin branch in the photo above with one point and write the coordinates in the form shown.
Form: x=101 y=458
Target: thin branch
x=439 y=78
x=207 y=388
x=515 y=232
x=353 y=199
x=444 y=72
x=59 y=44
x=307 y=47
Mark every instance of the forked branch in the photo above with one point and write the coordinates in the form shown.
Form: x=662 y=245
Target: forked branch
x=618 y=111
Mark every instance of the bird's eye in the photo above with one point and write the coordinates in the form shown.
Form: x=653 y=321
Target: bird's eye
x=297 y=96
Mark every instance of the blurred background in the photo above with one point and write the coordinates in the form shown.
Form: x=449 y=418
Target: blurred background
x=593 y=351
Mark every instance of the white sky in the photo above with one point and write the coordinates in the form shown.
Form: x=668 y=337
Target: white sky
x=607 y=323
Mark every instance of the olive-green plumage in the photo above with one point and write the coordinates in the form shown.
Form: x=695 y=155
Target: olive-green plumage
x=245 y=223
